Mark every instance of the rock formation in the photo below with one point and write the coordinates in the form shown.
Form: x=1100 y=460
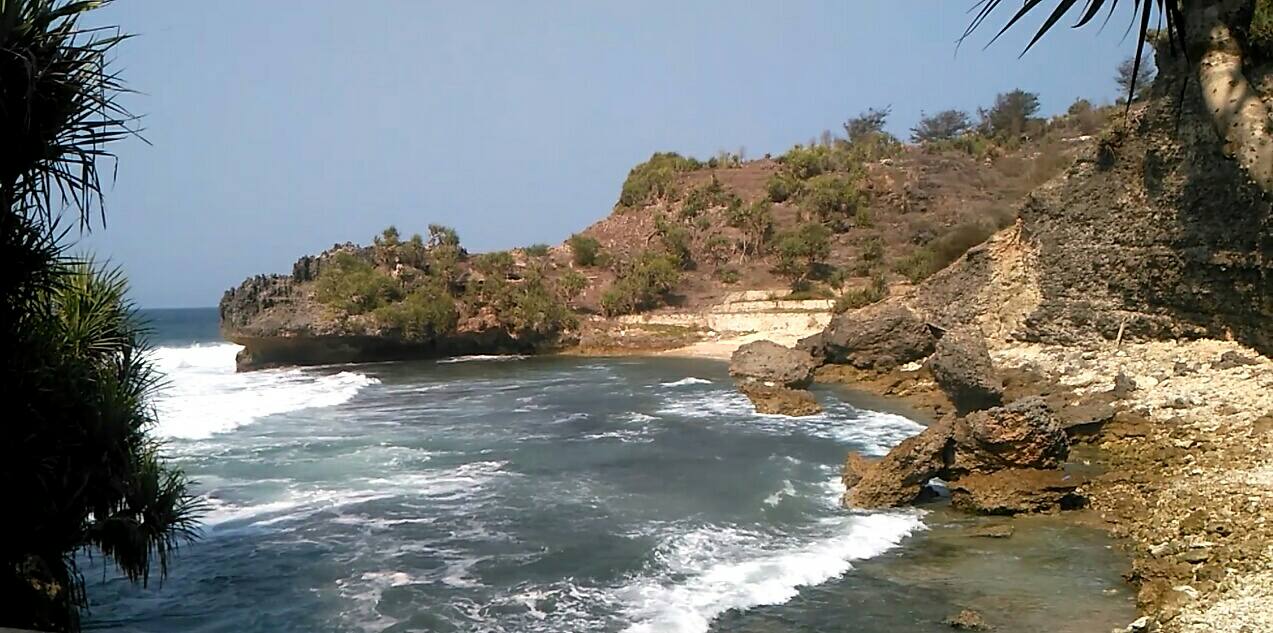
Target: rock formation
x=999 y=461
x=774 y=377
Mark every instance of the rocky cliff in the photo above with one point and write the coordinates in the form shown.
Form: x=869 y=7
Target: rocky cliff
x=1153 y=232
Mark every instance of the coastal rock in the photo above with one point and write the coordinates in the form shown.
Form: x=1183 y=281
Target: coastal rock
x=900 y=477
x=772 y=364
x=781 y=400
x=855 y=467
x=1024 y=434
x=878 y=337
x=961 y=366
x=995 y=530
x=1016 y=491
x=969 y=454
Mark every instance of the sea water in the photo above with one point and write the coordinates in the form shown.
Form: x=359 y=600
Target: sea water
x=520 y=494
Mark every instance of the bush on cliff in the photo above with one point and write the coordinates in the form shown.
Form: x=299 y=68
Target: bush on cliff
x=424 y=313
x=585 y=250
x=802 y=251
x=756 y=221
x=353 y=285
x=642 y=285
x=655 y=178
x=836 y=200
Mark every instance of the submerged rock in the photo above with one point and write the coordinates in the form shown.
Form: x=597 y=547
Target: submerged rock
x=780 y=400
x=966 y=620
x=769 y=363
x=1016 y=491
x=878 y=337
x=961 y=366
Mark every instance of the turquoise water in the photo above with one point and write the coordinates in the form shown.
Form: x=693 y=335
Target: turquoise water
x=539 y=494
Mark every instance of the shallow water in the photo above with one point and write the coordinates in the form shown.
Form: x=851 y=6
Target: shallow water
x=549 y=494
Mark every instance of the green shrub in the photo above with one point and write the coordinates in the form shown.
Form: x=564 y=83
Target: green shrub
x=833 y=199
x=782 y=186
x=718 y=248
x=728 y=275
x=655 y=178
x=856 y=298
x=498 y=264
x=809 y=293
x=973 y=144
x=704 y=197
x=353 y=285
x=534 y=307
x=1260 y=35
x=388 y=238
x=537 y=250
x=572 y=284
x=872 y=249
x=441 y=235
x=423 y=314
x=585 y=250
x=943 y=251
x=806 y=162
x=756 y=221
x=802 y=250
x=643 y=285
x=676 y=240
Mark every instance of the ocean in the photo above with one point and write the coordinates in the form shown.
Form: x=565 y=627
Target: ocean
x=526 y=494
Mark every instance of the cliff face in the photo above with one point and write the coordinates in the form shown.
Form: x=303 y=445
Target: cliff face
x=1152 y=233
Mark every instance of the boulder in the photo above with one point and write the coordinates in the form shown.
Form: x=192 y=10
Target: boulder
x=961 y=366
x=901 y=476
x=780 y=400
x=1016 y=491
x=878 y=337
x=1024 y=434
x=771 y=364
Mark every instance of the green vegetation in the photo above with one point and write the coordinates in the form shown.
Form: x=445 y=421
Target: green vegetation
x=756 y=221
x=572 y=284
x=1260 y=34
x=802 y=251
x=676 y=241
x=642 y=284
x=537 y=250
x=728 y=275
x=835 y=200
x=424 y=313
x=83 y=473
x=943 y=126
x=441 y=236
x=1011 y=115
x=1133 y=79
x=944 y=250
x=973 y=144
x=709 y=195
x=354 y=285
x=655 y=178
x=497 y=264
x=782 y=186
x=867 y=140
x=585 y=250
x=856 y=298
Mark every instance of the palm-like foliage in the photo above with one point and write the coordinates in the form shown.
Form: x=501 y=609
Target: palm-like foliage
x=81 y=471
x=1142 y=12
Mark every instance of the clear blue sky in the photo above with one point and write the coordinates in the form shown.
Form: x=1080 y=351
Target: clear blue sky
x=280 y=127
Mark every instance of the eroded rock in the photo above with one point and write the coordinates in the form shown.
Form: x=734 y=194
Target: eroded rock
x=780 y=400
x=961 y=366
x=1024 y=434
x=769 y=363
x=1016 y=491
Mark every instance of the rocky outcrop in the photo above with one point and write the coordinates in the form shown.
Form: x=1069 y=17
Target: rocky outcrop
x=961 y=366
x=878 y=337
x=977 y=456
x=278 y=322
x=769 y=363
x=774 y=400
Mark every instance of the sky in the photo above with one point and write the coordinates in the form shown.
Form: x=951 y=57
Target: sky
x=277 y=129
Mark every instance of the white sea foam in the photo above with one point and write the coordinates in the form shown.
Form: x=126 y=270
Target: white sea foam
x=723 y=568
x=204 y=395
x=787 y=490
x=684 y=382
x=482 y=357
